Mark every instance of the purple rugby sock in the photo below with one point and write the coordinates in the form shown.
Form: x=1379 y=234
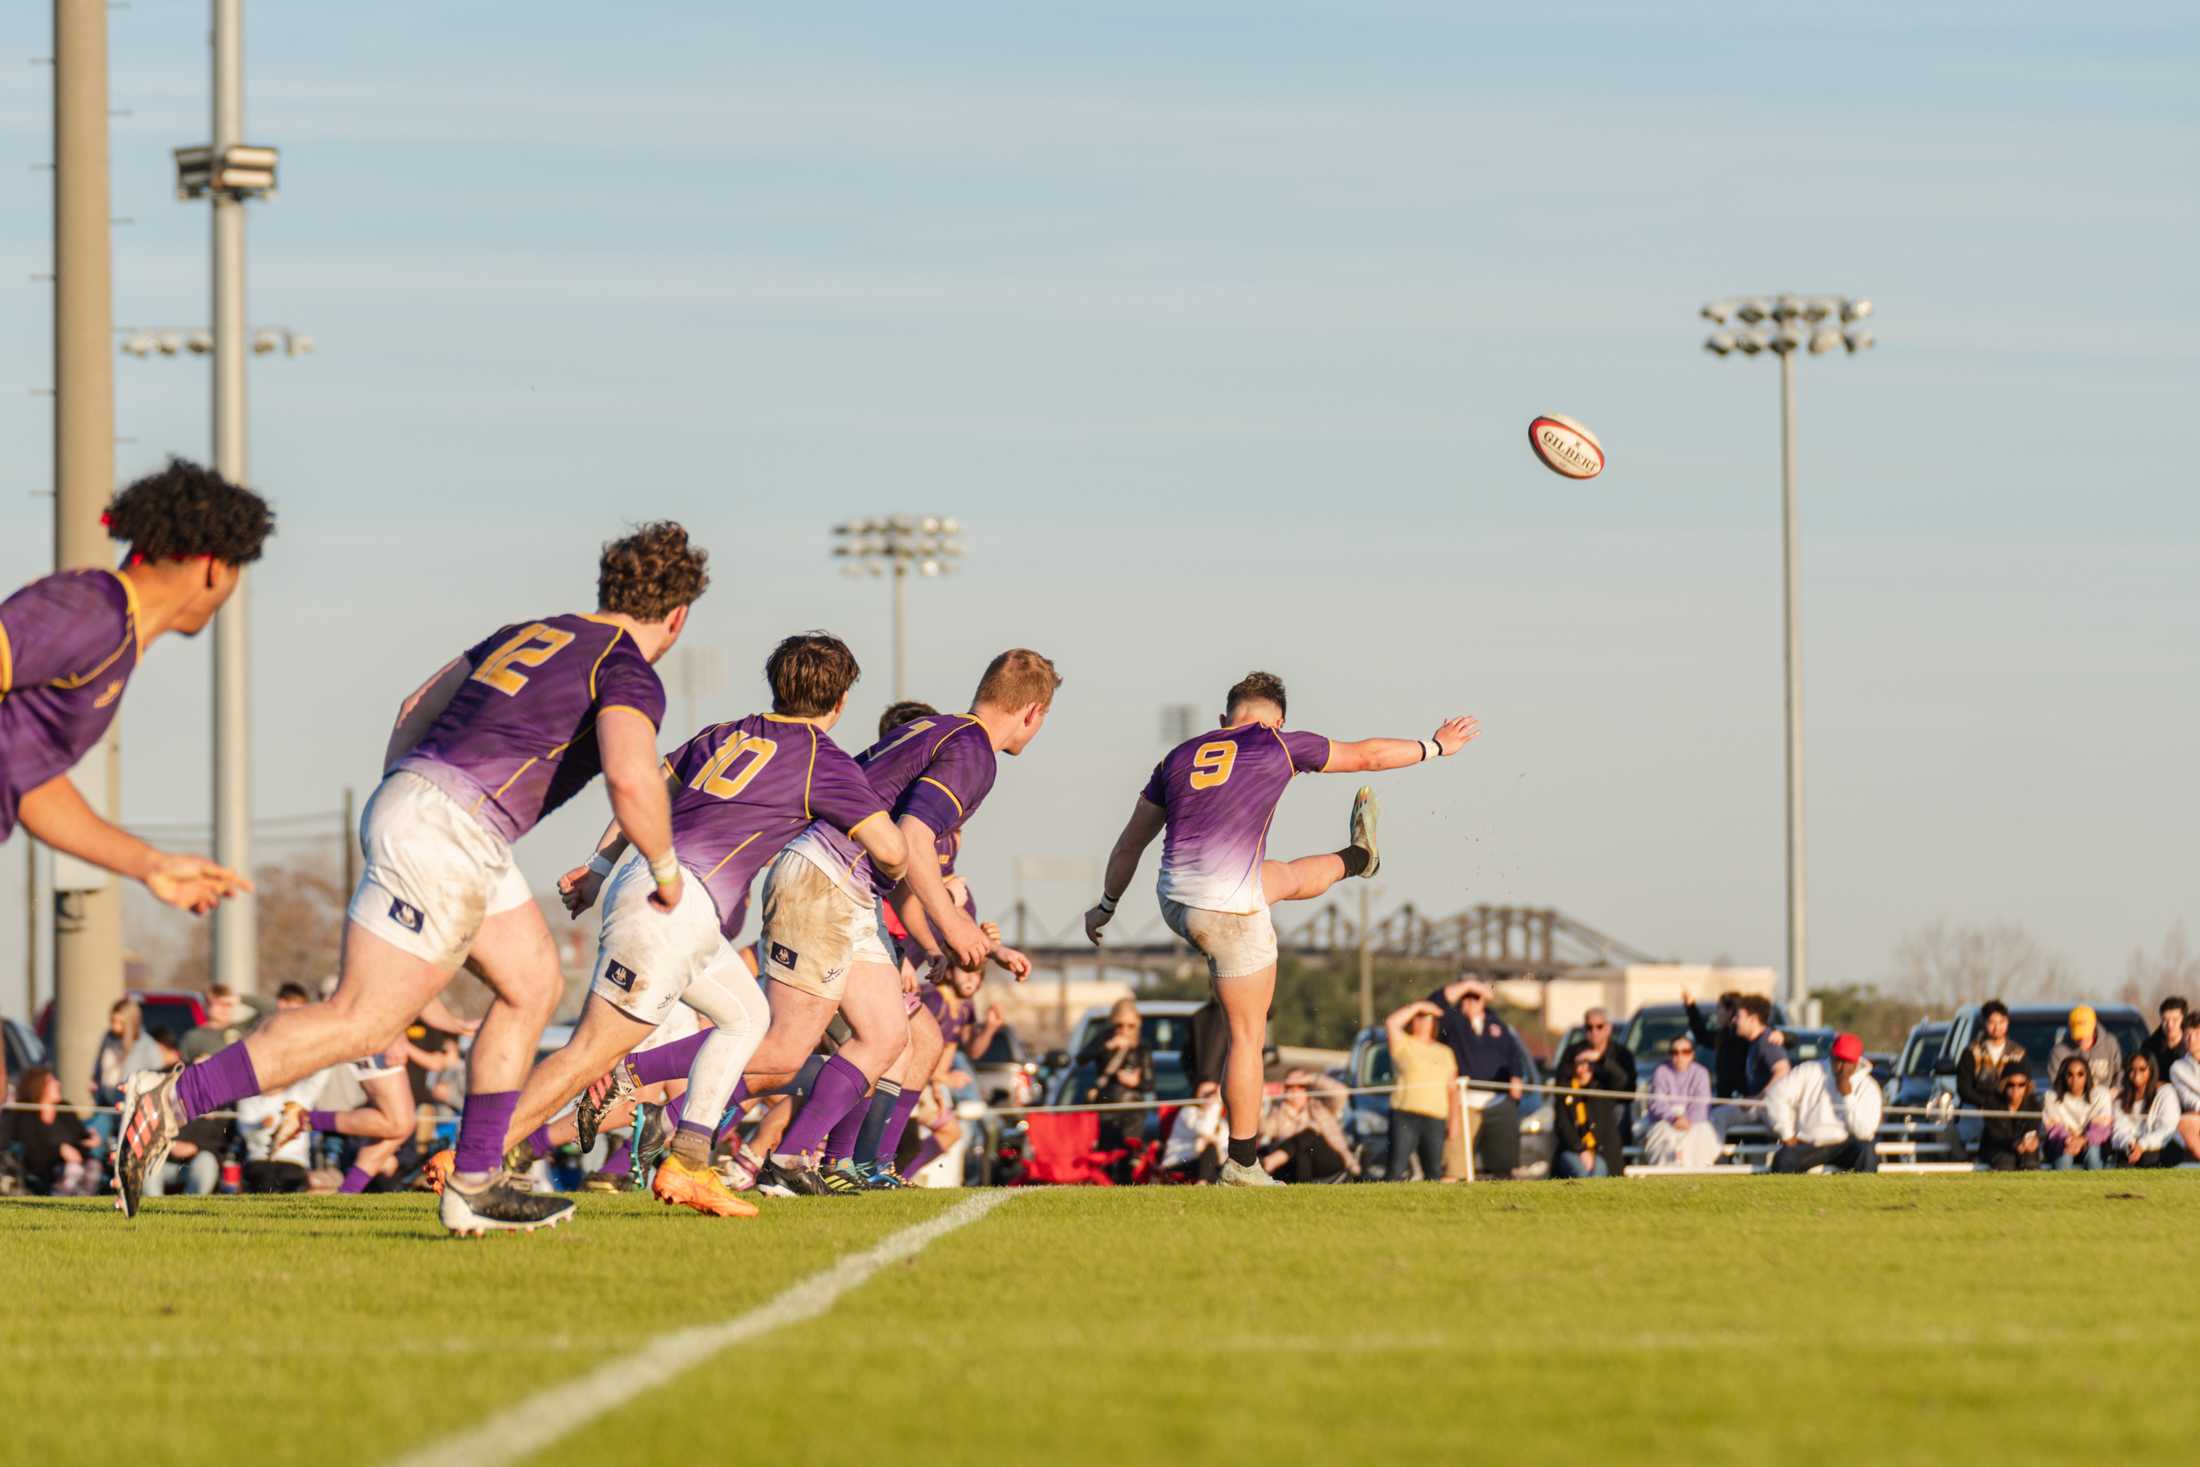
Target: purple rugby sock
x=839 y=1088
x=222 y=1079
x=355 y=1181
x=539 y=1138
x=840 y=1142
x=897 y=1121
x=481 y=1128
x=621 y=1158
x=323 y=1121
x=666 y=1061
x=928 y=1153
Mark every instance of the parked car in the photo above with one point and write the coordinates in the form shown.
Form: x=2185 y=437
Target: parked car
x=1165 y=1027
x=23 y=1047
x=1006 y=1073
x=1911 y=1082
x=176 y=1010
x=1367 y=1117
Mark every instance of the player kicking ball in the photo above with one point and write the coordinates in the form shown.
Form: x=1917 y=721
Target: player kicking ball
x=504 y=734
x=1215 y=795
x=740 y=792
x=70 y=641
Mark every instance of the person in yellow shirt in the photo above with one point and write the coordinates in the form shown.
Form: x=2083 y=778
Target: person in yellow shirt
x=1424 y=1109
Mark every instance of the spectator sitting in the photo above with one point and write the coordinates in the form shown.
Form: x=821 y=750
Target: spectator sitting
x=1301 y=1135
x=2144 y=1131
x=194 y=1161
x=2087 y=1039
x=2075 y=1118
x=1982 y=1064
x=1680 y=1110
x=1197 y=1137
x=57 y=1146
x=283 y=1170
x=1729 y=1051
x=2184 y=1078
x=1488 y=1051
x=1121 y=1043
x=1586 y=1125
x=1424 y=1108
x=1825 y=1113
x=2009 y=1141
x=2166 y=1045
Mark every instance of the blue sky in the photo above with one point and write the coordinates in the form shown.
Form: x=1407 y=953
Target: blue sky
x=1220 y=326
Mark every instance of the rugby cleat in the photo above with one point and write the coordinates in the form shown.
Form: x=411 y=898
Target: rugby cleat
x=678 y=1184
x=652 y=1137
x=604 y=1092
x=842 y=1179
x=151 y=1116
x=1366 y=810
x=878 y=1176
x=798 y=1178
x=287 y=1126
x=436 y=1170
x=607 y=1182
x=738 y=1169
x=1234 y=1175
x=500 y=1205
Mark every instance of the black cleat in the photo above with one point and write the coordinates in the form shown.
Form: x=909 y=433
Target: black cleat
x=500 y=1205
x=793 y=1180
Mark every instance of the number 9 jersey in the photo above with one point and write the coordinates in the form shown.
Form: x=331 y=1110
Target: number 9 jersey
x=1219 y=792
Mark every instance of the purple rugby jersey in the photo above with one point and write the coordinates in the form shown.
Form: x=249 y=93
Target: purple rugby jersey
x=519 y=739
x=957 y=1017
x=68 y=644
x=937 y=769
x=1219 y=791
x=749 y=787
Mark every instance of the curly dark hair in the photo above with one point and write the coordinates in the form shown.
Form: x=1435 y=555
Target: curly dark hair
x=186 y=510
x=909 y=710
x=651 y=573
x=1254 y=687
x=810 y=672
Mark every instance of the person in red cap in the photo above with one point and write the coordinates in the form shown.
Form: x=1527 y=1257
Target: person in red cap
x=1826 y=1113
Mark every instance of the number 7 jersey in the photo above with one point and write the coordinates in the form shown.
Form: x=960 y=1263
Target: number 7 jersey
x=1219 y=791
x=518 y=739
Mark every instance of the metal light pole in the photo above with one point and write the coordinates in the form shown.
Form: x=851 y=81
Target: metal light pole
x=900 y=545
x=1786 y=325
x=87 y=941
x=226 y=172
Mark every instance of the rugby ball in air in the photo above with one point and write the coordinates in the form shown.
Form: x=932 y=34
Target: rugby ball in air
x=1566 y=447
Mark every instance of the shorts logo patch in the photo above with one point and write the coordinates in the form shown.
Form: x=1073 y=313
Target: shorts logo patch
x=784 y=956
x=406 y=915
x=620 y=975
x=833 y=975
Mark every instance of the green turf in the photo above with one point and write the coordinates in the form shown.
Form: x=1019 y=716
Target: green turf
x=1880 y=1320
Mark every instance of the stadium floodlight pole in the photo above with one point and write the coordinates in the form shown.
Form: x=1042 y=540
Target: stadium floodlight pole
x=87 y=936
x=227 y=171
x=899 y=545
x=1796 y=323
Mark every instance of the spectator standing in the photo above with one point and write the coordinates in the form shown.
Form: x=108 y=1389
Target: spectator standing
x=1301 y=1138
x=1120 y=1045
x=1586 y=1125
x=2166 y=1045
x=1198 y=1136
x=228 y=1019
x=1679 y=1112
x=1424 y=1109
x=2009 y=1140
x=1729 y=1052
x=2087 y=1039
x=1825 y=1113
x=57 y=1147
x=1615 y=1063
x=2076 y=1117
x=1488 y=1051
x=1767 y=1059
x=2144 y=1129
x=2184 y=1078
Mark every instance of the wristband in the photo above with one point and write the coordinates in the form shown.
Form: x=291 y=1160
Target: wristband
x=665 y=869
x=598 y=866
x=1107 y=904
x=1430 y=749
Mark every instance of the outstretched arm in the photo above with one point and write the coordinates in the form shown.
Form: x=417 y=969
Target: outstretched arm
x=57 y=814
x=1146 y=822
x=1370 y=755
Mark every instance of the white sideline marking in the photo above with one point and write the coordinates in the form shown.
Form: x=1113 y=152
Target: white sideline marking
x=527 y=1427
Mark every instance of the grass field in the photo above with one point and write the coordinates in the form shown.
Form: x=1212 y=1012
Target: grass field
x=1931 y=1319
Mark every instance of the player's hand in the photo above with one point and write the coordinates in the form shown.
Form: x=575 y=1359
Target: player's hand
x=1095 y=919
x=1454 y=734
x=578 y=889
x=1019 y=966
x=909 y=978
x=992 y=931
x=192 y=883
x=965 y=943
x=665 y=898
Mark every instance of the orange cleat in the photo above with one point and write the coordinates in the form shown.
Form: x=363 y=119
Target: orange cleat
x=438 y=1170
x=679 y=1185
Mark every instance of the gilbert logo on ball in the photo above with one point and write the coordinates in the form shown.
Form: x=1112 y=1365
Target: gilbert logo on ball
x=1566 y=447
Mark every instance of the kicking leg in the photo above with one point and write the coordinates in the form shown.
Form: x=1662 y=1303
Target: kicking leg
x=1310 y=876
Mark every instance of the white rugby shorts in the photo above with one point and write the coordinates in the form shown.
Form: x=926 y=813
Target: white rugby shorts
x=647 y=959
x=1235 y=944
x=433 y=873
x=815 y=932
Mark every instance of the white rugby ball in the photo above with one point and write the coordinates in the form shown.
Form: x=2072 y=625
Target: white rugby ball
x=1566 y=447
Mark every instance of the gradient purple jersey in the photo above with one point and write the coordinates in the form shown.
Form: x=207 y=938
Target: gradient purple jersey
x=937 y=769
x=957 y=1016
x=519 y=739
x=749 y=787
x=68 y=644
x=1219 y=792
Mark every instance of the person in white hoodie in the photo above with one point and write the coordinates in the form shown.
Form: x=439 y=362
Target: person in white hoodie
x=1826 y=1113
x=2144 y=1129
x=2184 y=1078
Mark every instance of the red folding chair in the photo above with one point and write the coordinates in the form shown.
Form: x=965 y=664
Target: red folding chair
x=1059 y=1150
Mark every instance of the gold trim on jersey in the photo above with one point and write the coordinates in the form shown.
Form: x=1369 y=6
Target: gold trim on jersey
x=618 y=631
x=737 y=850
x=7 y=662
x=808 y=775
x=866 y=820
x=943 y=789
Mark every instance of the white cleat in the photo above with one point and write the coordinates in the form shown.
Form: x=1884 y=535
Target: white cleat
x=151 y=1117
x=1366 y=809
x=1234 y=1175
x=502 y=1204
